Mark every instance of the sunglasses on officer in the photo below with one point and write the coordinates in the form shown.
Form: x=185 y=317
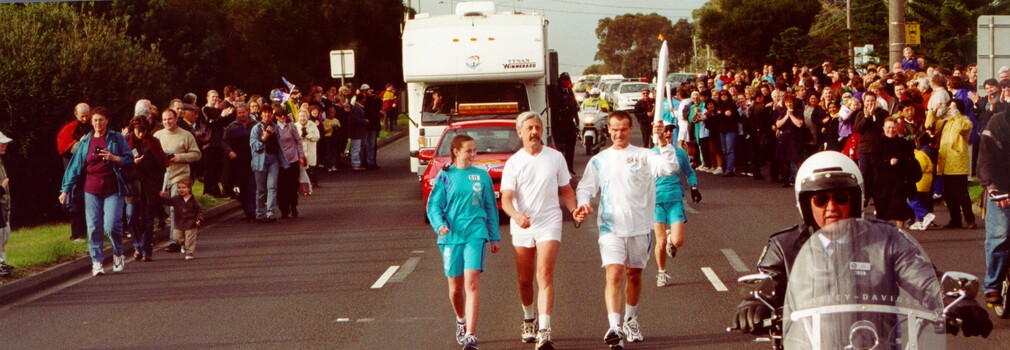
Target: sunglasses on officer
x=821 y=199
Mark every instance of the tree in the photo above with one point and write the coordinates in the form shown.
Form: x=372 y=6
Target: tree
x=628 y=43
x=681 y=41
x=948 y=27
x=65 y=54
x=741 y=31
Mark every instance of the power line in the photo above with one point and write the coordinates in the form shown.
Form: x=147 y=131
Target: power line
x=624 y=7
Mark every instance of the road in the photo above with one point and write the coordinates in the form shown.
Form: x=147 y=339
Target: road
x=317 y=282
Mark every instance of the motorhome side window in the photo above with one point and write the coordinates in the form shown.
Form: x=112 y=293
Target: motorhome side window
x=443 y=101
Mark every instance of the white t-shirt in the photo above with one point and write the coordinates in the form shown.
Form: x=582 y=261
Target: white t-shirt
x=626 y=180
x=535 y=181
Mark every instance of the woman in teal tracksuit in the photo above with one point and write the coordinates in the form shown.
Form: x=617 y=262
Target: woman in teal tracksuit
x=462 y=210
x=670 y=209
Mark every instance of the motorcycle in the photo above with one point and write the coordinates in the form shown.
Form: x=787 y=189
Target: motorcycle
x=592 y=129
x=837 y=298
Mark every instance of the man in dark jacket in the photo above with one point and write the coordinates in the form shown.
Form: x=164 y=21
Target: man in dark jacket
x=358 y=129
x=870 y=126
x=994 y=176
x=645 y=108
x=238 y=154
x=564 y=112
x=373 y=107
x=66 y=144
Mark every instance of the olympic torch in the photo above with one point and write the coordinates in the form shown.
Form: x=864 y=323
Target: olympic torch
x=661 y=66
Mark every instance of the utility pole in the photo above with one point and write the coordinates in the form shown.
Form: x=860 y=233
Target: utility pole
x=848 y=26
x=896 y=30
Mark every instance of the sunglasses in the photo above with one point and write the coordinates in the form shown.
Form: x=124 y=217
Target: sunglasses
x=821 y=199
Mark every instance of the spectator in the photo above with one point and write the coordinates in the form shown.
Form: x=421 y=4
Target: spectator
x=984 y=108
x=922 y=201
x=645 y=108
x=5 y=208
x=189 y=120
x=896 y=172
x=358 y=125
x=267 y=159
x=97 y=168
x=142 y=203
x=287 y=178
x=727 y=125
x=908 y=62
x=389 y=107
x=182 y=150
x=217 y=114
x=565 y=110
x=66 y=143
x=239 y=158
x=953 y=165
x=870 y=126
x=309 y=133
x=789 y=148
x=189 y=216
x=343 y=104
x=331 y=131
x=372 y=106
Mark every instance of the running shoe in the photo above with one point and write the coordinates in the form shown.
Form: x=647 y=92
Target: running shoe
x=6 y=270
x=529 y=331
x=460 y=332
x=718 y=171
x=97 y=269
x=544 y=340
x=470 y=342
x=662 y=279
x=993 y=298
x=927 y=219
x=671 y=250
x=917 y=226
x=614 y=338
x=118 y=263
x=632 y=330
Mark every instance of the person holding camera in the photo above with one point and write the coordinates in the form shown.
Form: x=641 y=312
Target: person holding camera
x=994 y=176
x=99 y=170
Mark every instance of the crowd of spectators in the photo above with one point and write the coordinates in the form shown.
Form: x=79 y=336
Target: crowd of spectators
x=263 y=152
x=913 y=128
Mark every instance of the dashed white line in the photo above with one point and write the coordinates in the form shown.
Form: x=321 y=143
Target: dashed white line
x=385 y=277
x=712 y=277
x=343 y=319
x=734 y=260
x=417 y=252
x=408 y=267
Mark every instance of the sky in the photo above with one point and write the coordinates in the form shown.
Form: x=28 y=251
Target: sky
x=572 y=23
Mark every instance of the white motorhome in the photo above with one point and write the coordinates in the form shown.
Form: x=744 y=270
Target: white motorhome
x=474 y=64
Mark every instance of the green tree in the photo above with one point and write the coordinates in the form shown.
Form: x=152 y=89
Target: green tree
x=948 y=27
x=628 y=43
x=63 y=54
x=681 y=41
x=741 y=31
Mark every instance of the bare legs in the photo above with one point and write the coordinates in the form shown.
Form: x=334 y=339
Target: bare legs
x=464 y=294
x=539 y=261
x=616 y=275
x=676 y=235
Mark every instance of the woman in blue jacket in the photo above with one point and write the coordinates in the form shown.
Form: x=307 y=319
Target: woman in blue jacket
x=97 y=169
x=462 y=211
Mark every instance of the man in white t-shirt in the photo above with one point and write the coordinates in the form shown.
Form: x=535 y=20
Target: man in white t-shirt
x=534 y=179
x=625 y=176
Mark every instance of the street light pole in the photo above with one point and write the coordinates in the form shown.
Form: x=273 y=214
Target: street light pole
x=896 y=30
x=848 y=26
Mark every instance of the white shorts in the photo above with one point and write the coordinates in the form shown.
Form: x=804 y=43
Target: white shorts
x=682 y=132
x=632 y=252
x=530 y=238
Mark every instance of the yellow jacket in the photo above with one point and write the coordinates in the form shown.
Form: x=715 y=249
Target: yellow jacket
x=954 y=157
x=925 y=184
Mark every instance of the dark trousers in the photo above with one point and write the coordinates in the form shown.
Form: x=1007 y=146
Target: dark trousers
x=287 y=189
x=240 y=175
x=955 y=195
x=340 y=146
x=213 y=167
x=646 y=127
x=866 y=167
x=567 y=148
x=78 y=220
x=708 y=159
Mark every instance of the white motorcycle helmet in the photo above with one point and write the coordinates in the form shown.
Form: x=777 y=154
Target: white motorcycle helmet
x=828 y=170
x=594 y=92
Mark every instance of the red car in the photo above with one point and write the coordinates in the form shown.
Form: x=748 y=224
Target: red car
x=496 y=141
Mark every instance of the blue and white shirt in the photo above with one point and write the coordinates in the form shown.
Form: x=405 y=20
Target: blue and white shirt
x=626 y=181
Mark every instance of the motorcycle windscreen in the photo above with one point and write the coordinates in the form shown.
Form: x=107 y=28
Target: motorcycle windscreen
x=859 y=284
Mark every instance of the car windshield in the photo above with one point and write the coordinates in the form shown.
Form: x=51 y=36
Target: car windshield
x=633 y=87
x=443 y=101
x=489 y=139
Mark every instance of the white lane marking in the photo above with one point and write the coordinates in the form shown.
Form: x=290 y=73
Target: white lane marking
x=417 y=252
x=343 y=319
x=407 y=268
x=712 y=277
x=734 y=260
x=364 y=320
x=385 y=277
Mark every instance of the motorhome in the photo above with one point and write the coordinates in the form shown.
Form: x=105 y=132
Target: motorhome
x=476 y=63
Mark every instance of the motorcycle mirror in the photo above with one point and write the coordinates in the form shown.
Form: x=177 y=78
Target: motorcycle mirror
x=756 y=286
x=954 y=283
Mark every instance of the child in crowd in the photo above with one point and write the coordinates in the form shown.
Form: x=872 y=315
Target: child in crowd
x=188 y=216
x=922 y=202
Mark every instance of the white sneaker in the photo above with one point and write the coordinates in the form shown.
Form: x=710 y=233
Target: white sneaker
x=614 y=338
x=460 y=332
x=529 y=331
x=916 y=226
x=927 y=219
x=702 y=168
x=662 y=279
x=544 y=340
x=671 y=250
x=718 y=171
x=632 y=330
x=97 y=269
x=118 y=263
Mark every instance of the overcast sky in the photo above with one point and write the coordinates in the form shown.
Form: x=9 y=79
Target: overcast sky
x=572 y=28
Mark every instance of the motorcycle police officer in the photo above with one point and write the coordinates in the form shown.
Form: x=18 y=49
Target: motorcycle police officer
x=594 y=101
x=828 y=190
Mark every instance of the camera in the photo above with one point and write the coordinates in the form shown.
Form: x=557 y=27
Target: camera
x=100 y=149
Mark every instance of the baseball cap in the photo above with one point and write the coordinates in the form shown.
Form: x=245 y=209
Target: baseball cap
x=365 y=87
x=4 y=138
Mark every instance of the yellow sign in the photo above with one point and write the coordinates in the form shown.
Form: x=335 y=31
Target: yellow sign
x=912 y=33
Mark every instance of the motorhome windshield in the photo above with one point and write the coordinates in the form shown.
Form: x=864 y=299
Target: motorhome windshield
x=444 y=101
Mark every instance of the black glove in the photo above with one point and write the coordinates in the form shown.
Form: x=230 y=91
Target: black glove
x=695 y=194
x=750 y=317
x=974 y=319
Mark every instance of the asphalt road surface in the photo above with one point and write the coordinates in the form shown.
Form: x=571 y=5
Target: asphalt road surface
x=360 y=270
